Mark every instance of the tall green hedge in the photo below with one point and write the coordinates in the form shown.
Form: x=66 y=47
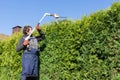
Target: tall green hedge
x=10 y=60
x=86 y=49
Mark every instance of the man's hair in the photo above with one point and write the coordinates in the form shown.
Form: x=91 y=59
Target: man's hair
x=26 y=29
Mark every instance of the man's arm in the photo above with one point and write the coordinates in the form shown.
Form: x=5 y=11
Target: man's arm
x=42 y=35
x=20 y=45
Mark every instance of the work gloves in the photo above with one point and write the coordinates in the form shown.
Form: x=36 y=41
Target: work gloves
x=26 y=42
x=38 y=27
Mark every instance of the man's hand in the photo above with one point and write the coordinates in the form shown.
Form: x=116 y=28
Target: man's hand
x=38 y=27
x=26 y=42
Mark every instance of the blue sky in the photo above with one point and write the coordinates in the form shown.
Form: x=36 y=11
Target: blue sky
x=29 y=12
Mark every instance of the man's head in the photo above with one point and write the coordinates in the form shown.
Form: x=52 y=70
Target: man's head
x=27 y=30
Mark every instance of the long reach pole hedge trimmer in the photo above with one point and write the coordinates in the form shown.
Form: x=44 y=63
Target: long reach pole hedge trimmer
x=45 y=14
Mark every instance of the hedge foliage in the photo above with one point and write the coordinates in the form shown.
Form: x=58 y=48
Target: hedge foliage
x=86 y=49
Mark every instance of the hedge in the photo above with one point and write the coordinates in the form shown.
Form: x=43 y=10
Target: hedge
x=85 y=49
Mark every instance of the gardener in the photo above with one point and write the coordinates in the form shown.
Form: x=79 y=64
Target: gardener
x=30 y=58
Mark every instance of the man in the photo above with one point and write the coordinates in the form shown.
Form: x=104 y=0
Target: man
x=30 y=58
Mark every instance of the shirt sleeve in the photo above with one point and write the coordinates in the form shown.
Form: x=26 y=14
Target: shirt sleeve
x=20 y=45
x=41 y=36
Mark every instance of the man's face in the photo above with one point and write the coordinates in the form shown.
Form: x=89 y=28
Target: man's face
x=30 y=30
